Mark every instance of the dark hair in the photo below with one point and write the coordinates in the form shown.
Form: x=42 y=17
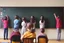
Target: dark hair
x=42 y=18
x=42 y=30
x=32 y=20
x=29 y=25
x=5 y=18
x=23 y=18
x=32 y=30
x=16 y=16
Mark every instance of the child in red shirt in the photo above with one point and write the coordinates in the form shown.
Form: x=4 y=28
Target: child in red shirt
x=58 y=26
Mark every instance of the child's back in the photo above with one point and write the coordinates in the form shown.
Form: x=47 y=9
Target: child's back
x=5 y=22
x=16 y=23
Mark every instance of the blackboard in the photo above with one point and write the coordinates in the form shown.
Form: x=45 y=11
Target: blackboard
x=47 y=12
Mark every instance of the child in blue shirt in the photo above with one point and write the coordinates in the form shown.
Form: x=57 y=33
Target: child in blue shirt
x=16 y=23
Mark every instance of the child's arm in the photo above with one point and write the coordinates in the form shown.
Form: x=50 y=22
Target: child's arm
x=2 y=19
x=55 y=15
x=7 y=17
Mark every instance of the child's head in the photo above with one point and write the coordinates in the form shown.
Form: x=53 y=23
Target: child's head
x=23 y=18
x=42 y=30
x=5 y=18
x=16 y=17
x=29 y=25
x=32 y=17
x=32 y=30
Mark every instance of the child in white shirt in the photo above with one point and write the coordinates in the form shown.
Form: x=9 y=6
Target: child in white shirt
x=23 y=24
x=42 y=22
x=33 y=21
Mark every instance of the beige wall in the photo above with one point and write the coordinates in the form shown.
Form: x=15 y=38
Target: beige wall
x=51 y=33
x=31 y=3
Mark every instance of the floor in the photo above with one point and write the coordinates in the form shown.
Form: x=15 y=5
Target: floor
x=50 y=41
x=55 y=41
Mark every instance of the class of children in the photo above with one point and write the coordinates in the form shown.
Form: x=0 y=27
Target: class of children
x=32 y=21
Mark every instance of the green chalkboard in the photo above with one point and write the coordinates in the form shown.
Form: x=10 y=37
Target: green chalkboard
x=47 y=12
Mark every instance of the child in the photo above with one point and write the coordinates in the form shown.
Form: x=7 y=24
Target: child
x=16 y=23
x=24 y=24
x=5 y=26
x=32 y=20
x=13 y=34
x=30 y=33
x=58 y=26
x=43 y=34
x=42 y=22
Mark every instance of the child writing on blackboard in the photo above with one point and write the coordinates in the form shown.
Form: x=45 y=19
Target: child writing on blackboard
x=23 y=24
x=42 y=22
x=16 y=23
x=58 y=26
x=33 y=21
x=5 y=26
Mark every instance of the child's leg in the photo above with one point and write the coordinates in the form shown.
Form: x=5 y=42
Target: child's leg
x=59 y=34
x=7 y=33
x=4 y=33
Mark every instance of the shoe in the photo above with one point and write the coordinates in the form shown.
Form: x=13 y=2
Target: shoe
x=58 y=40
x=4 y=38
x=7 y=38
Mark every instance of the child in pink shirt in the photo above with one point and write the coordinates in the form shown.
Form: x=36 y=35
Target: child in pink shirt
x=5 y=26
x=58 y=26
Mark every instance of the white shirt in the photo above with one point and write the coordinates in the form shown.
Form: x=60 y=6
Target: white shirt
x=23 y=24
x=42 y=25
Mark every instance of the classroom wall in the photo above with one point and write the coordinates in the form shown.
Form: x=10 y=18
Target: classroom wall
x=51 y=33
x=31 y=3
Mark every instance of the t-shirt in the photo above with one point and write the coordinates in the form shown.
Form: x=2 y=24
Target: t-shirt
x=42 y=34
x=28 y=34
x=16 y=24
x=42 y=25
x=23 y=24
x=5 y=23
x=14 y=33
x=58 y=23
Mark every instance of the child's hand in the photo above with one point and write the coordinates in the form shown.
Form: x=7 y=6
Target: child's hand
x=54 y=14
x=7 y=16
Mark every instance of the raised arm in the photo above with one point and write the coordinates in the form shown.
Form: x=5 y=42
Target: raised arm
x=2 y=19
x=7 y=17
x=55 y=15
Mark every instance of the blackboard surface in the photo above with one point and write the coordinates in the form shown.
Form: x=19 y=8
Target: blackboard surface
x=47 y=12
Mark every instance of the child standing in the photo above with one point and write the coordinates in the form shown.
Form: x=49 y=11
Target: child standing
x=33 y=21
x=16 y=23
x=42 y=22
x=23 y=24
x=58 y=26
x=5 y=26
